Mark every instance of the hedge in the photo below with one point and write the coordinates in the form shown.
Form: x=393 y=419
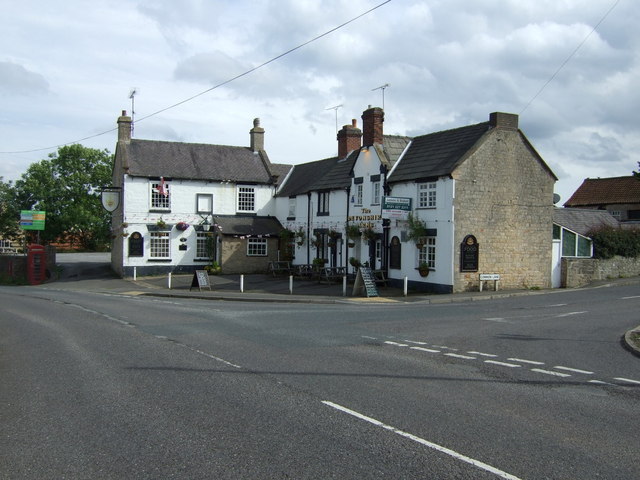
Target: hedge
x=609 y=242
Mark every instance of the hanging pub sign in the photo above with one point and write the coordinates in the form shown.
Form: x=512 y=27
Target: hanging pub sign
x=110 y=198
x=469 y=254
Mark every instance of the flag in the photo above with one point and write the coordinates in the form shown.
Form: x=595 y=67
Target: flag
x=161 y=188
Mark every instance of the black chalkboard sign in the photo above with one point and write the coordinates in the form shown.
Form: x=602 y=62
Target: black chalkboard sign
x=469 y=254
x=365 y=281
x=200 y=280
x=136 y=245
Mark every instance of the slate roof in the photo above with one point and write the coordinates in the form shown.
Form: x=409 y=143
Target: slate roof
x=394 y=145
x=195 y=161
x=248 y=225
x=606 y=191
x=582 y=220
x=437 y=154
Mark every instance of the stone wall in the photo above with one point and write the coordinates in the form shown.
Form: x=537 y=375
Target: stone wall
x=578 y=272
x=234 y=258
x=503 y=196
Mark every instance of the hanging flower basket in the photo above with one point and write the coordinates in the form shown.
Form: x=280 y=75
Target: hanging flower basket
x=423 y=269
x=182 y=226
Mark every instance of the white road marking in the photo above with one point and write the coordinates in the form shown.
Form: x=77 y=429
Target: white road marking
x=396 y=343
x=483 y=354
x=548 y=372
x=600 y=382
x=370 y=338
x=415 y=343
x=558 y=305
x=532 y=362
x=422 y=441
x=213 y=357
x=628 y=380
x=455 y=355
x=503 y=364
x=573 y=370
x=569 y=314
x=629 y=298
x=496 y=319
x=422 y=349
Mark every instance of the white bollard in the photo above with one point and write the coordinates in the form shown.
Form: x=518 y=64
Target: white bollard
x=241 y=283
x=169 y=281
x=135 y=273
x=406 y=286
x=291 y=284
x=344 y=286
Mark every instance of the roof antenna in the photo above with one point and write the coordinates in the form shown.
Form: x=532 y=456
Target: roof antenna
x=381 y=87
x=336 y=109
x=132 y=94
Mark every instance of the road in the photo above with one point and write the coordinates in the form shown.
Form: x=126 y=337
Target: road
x=116 y=386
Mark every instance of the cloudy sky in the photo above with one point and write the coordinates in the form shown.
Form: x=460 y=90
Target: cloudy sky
x=67 y=69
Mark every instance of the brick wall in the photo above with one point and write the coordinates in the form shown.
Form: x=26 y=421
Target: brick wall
x=504 y=198
x=578 y=272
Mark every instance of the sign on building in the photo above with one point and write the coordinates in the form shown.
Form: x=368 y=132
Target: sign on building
x=396 y=207
x=32 y=219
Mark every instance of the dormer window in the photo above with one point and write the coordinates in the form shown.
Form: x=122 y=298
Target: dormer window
x=160 y=196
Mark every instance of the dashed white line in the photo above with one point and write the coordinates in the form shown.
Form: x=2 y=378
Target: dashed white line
x=389 y=342
x=629 y=298
x=531 y=362
x=456 y=355
x=503 y=364
x=549 y=372
x=444 y=347
x=422 y=441
x=628 y=380
x=422 y=349
x=569 y=314
x=600 y=382
x=415 y=343
x=482 y=354
x=496 y=319
x=575 y=370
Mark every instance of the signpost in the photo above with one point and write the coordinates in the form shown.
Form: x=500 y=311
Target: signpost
x=396 y=207
x=32 y=219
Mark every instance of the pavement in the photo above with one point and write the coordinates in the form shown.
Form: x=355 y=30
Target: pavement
x=91 y=272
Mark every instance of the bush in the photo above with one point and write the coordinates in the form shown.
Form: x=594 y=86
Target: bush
x=609 y=242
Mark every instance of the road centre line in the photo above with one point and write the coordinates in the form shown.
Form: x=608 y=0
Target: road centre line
x=600 y=382
x=389 y=342
x=422 y=441
x=483 y=354
x=422 y=349
x=415 y=343
x=548 y=372
x=629 y=298
x=627 y=380
x=456 y=355
x=503 y=364
x=532 y=362
x=575 y=370
x=569 y=314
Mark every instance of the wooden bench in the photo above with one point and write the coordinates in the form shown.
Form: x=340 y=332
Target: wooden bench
x=332 y=274
x=280 y=267
x=379 y=277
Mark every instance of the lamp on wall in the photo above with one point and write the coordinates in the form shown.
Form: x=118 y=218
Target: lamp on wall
x=206 y=226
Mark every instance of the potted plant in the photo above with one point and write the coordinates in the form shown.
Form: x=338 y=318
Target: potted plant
x=423 y=269
x=417 y=230
x=318 y=263
x=301 y=236
x=161 y=223
x=353 y=231
x=354 y=262
x=213 y=269
x=368 y=234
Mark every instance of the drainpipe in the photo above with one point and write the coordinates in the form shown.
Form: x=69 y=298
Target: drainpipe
x=308 y=227
x=346 y=225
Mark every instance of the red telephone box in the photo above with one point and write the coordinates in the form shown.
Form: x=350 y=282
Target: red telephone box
x=36 y=264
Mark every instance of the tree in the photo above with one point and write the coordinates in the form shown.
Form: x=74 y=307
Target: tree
x=637 y=174
x=9 y=215
x=66 y=186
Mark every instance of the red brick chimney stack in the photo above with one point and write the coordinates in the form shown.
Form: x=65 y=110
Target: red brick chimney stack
x=349 y=138
x=372 y=120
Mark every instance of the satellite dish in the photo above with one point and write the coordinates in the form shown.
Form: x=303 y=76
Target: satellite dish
x=556 y=198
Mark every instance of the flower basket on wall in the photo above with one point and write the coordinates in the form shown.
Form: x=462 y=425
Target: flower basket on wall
x=423 y=269
x=182 y=226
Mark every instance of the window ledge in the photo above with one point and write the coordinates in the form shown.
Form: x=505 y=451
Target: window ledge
x=166 y=260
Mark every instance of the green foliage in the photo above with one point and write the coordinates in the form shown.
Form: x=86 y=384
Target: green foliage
x=9 y=214
x=66 y=186
x=609 y=242
x=416 y=228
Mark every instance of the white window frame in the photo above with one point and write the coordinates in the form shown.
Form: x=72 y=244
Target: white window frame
x=292 y=207
x=246 y=198
x=201 y=245
x=160 y=245
x=428 y=253
x=157 y=201
x=427 y=195
x=359 y=190
x=257 y=247
x=375 y=193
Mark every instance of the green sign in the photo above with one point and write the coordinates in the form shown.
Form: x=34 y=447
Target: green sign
x=32 y=219
x=396 y=207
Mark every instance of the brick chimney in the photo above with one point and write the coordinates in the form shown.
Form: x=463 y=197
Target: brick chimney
x=124 y=127
x=506 y=121
x=257 y=136
x=372 y=120
x=349 y=138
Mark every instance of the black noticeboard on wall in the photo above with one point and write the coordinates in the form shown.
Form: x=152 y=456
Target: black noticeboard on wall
x=469 y=254
x=364 y=281
x=395 y=253
x=200 y=280
x=136 y=245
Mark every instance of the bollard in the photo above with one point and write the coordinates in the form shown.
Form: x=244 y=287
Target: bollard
x=169 y=281
x=291 y=284
x=344 y=286
x=406 y=285
x=135 y=273
x=241 y=283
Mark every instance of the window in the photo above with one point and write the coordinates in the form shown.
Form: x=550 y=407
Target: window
x=427 y=195
x=246 y=199
x=160 y=196
x=323 y=203
x=359 y=194
x=574 y=245
x=257 y=247
x=202 y=244
x=428 y=253
x=204 y=203
x=292 y=207
x=375 y=193
x=159 y=243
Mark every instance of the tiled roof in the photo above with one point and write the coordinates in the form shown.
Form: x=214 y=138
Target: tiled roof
x=151 y=158
x=606 y=191
x=582 y=220
x=394 y=145
x=248 y=225
x=437 y=154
